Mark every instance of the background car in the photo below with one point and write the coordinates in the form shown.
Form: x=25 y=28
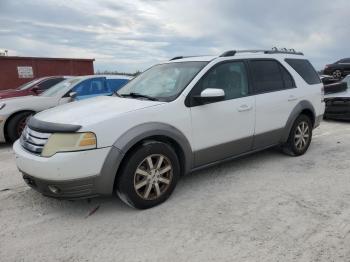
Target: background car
x=326 y=79
x=338 y=104
x=339 y=69
x=34 y=87
x=14 y=112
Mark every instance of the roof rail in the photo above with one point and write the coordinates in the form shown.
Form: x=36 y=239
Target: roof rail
x=176 y=58
x=229 y=53
x=274 y=50
x=182 y=57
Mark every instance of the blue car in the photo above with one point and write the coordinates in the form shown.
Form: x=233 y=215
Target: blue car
x=99 y=86
x=15 y=111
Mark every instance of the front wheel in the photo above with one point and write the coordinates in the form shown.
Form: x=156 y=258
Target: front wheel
x=148 y=175
x=16 y=125
x=300 y=136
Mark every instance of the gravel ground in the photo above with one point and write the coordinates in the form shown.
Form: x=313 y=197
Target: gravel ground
x=265 y=207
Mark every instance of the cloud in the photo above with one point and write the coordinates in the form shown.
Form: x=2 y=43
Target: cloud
x=132 y=35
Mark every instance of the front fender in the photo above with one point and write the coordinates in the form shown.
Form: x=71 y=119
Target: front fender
x=131 y=137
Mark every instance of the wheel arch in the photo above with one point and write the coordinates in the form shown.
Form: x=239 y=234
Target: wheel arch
x=135 y=137
x=11 y=117
x=303 y=107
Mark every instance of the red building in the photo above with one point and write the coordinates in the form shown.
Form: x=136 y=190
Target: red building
x=15 y=70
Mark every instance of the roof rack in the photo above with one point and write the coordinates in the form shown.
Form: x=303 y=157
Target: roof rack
x=176 y=58
x=274 y=50
x=182 y=57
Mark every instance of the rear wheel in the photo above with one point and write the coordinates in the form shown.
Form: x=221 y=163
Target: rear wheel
x=149 y=175
x=300 y=136
x=16 y=125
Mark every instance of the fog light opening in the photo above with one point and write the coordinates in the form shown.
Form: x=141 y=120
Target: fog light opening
x=54 y=189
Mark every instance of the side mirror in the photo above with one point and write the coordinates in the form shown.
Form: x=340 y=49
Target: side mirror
x=35 y=89
x=210 y=95
x=73 y=95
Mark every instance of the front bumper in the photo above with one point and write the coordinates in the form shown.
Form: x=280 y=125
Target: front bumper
x=338 y=108
x=73 y=189
x=74 y=174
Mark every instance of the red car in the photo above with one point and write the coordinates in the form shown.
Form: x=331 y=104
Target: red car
x=34 y=87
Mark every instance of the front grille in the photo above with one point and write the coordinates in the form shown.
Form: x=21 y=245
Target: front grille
x=34 y=141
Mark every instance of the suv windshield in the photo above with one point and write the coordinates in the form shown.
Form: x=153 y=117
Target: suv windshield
x=64 y=85
x=29 y=84
x=162 y=82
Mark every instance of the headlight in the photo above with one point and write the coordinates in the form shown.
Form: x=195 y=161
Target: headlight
x=69 y=143
x=2 y=105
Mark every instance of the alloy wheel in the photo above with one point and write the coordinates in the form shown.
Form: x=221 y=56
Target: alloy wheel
x=153 y=176
x=337 y=74
x=302 y=135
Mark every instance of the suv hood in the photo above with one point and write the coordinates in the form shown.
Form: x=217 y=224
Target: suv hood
x=94 y=110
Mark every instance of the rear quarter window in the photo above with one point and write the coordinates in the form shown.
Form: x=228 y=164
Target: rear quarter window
x=304 y=68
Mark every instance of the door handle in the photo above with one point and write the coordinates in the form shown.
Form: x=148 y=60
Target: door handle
x=243 y=108
x=292 y=98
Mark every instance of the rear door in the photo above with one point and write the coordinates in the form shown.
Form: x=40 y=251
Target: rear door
x=276 y=97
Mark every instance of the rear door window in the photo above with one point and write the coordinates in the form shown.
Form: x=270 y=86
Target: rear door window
x=49 y=83
x=267 y=76
x=287 y=78
x=304 y=68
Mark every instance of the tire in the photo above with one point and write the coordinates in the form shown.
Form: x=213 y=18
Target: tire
x=300 y=137
x=337 y=74
x=16 y=125
x=141 y=186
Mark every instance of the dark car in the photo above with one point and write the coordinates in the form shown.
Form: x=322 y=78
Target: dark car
x=339 y=69
x=326 y=79
x=34 y=87
x=338 y=103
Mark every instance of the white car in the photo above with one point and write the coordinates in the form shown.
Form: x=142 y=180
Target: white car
x=176 y=117
x=14 y=112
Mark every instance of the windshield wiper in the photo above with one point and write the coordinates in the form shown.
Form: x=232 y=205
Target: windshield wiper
x=137 y=95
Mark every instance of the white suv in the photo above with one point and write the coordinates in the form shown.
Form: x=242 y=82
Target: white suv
x=176 y=117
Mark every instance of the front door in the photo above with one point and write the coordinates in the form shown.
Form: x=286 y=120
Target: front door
x=225 y=128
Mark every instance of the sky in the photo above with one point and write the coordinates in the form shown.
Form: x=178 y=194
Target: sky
x=131 y=35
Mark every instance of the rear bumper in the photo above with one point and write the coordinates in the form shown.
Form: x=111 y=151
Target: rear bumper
x=338 y=109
